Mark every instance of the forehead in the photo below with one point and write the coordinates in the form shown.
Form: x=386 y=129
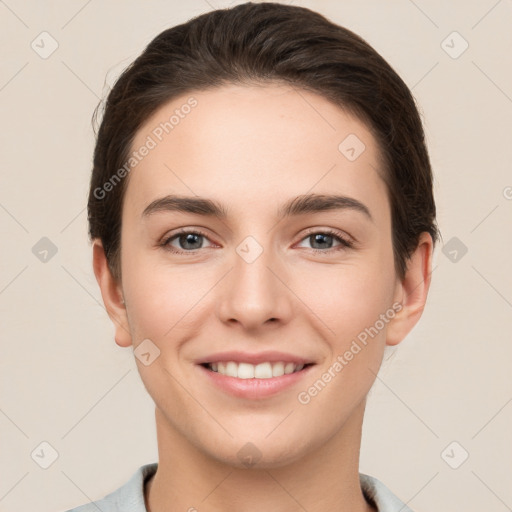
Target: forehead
x=254 y=144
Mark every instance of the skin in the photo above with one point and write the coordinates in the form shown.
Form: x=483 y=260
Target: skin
x=252 y=148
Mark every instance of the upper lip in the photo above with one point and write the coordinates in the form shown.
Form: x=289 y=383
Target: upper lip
x=254 y=358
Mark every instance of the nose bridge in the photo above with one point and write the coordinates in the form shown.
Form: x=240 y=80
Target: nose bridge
x=253 y=294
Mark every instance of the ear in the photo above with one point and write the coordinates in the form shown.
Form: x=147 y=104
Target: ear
x=412 y=291
x=112 y=294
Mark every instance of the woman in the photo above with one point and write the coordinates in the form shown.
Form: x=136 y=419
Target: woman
x=263 y=221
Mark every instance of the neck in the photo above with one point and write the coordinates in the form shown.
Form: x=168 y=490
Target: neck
x=325 y=478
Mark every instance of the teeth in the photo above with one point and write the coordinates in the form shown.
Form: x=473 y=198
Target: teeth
x=245 y=370
x=231 y=369
x=278 y=369
x=263 y=371
x=289 y=367
x=258 y=371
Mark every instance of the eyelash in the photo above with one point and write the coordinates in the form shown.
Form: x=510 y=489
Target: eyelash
x=344 y=242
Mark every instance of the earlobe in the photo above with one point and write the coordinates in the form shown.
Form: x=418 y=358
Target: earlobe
x=111 y=292
x=412 y=291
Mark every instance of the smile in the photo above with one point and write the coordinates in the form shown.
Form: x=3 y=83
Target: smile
x=265 y=370
x=254 y=381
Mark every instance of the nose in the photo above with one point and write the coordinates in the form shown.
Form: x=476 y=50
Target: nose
x=254 y=294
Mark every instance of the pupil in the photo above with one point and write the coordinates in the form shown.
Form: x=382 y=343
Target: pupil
x=320 y=237
x=189 y=238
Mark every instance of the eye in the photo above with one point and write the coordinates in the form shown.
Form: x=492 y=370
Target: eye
x=324 y=240
x=188 y=241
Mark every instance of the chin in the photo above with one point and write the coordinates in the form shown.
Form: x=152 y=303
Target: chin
x=256 y=452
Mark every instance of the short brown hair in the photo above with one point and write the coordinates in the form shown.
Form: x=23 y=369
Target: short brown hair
x=268 y=43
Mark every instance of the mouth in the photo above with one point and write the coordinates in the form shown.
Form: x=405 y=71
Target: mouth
x=259 y=381
x=264 y=370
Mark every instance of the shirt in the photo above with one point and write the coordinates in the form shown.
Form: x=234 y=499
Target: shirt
x=130 y=496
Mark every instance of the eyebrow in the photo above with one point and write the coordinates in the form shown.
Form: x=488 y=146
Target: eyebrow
x=300 y=205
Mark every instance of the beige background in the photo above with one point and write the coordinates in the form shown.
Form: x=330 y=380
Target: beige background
x=65 y=382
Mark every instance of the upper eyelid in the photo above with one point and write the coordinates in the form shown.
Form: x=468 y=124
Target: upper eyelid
x=333 y=231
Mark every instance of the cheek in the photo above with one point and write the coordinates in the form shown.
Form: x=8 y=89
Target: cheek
x=346 y=298
x=163 y=299
x=352 y=305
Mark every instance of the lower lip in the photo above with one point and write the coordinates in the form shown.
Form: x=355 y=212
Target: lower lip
x=254 y=388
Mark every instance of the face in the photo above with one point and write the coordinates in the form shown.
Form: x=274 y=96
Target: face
x=274 y=283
